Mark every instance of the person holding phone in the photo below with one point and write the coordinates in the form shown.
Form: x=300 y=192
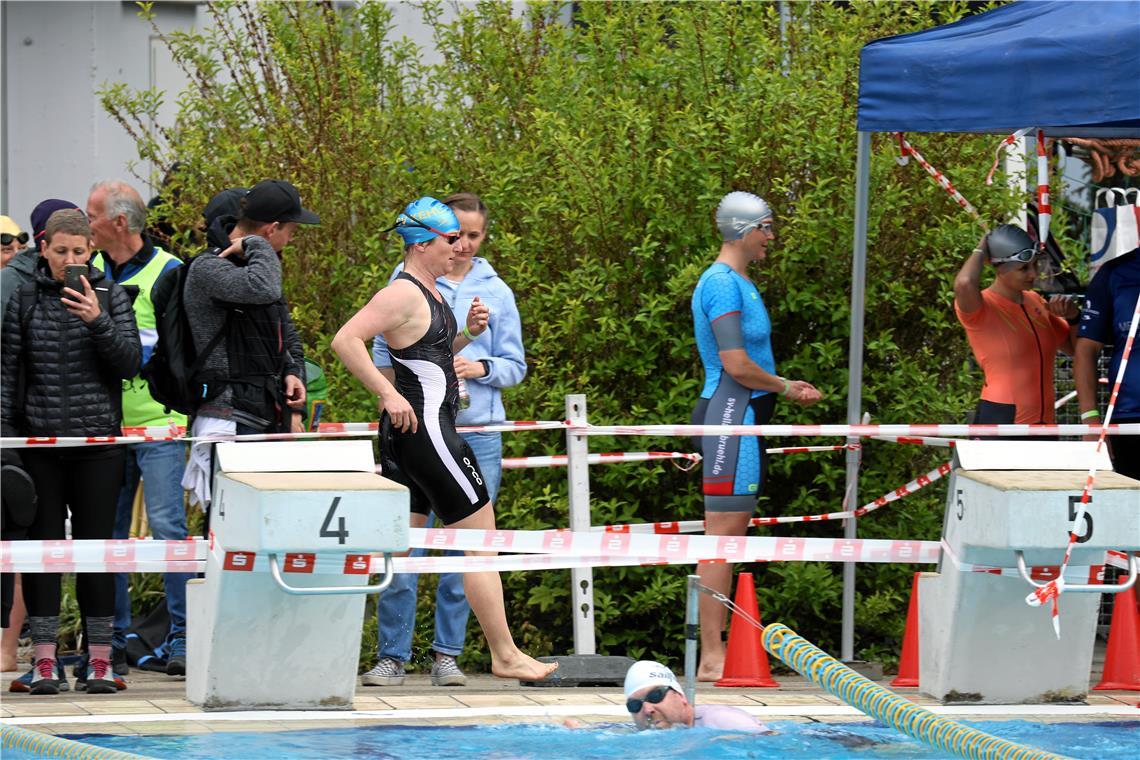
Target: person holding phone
x=70 y=340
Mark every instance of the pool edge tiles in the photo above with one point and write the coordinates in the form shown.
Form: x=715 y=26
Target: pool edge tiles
x=197 y=722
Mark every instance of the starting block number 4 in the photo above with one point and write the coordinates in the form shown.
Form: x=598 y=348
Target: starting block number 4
x=341 y=533
x=311 y=520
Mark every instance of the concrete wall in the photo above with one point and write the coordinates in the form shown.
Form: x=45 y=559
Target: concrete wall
x=55 y=138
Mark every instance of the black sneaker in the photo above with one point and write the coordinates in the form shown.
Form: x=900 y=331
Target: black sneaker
x=24 y=683
x=80 y=672
x=176 y=663
x=119 y=661
x=100 y=677
x=44 y=680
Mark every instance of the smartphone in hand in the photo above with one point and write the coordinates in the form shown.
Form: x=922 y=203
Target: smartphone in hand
x=71 y=275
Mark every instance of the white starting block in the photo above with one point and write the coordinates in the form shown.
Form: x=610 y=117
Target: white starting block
x=1010 y=505
x=276 y=622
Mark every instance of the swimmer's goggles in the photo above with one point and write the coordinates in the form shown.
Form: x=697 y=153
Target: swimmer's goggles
x=655 y=696
x=1024 y=256
x=410 y=221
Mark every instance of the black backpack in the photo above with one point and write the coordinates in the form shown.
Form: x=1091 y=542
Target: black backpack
x=174 y=370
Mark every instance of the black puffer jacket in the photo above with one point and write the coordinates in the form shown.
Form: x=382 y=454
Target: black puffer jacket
x=74 y=369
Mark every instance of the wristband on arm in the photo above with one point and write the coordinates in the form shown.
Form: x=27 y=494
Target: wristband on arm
x=486 y=367
x=1090 y=414
x=787 y=388
x=468 y=334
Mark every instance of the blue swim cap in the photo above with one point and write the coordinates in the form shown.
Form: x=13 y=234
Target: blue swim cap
x=429 y=213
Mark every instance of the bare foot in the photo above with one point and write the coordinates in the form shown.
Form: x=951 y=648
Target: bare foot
x=523 y=667
x=710 y=670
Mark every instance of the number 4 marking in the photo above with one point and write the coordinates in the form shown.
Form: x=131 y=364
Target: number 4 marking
x=341 y=534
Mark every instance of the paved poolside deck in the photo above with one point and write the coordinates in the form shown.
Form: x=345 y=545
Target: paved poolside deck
x=155 y=703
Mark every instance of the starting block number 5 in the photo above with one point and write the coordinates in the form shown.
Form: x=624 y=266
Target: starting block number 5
x=341 y=533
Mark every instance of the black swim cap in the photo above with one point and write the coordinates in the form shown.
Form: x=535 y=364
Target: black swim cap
x=1009 y=243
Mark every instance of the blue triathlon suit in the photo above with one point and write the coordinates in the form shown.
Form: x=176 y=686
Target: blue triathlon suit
x=1109 y=305
x=733 y=466
x=435 y=463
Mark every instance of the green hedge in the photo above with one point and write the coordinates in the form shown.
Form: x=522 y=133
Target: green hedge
x=602 y=147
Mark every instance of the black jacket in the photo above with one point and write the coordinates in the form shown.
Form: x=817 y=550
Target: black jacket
x=73 y=370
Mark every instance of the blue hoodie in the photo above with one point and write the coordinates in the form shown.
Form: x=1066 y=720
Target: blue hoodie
x=500 y=344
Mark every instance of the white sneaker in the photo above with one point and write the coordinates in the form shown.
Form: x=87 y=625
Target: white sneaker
x=445 y=672
x=388 y=672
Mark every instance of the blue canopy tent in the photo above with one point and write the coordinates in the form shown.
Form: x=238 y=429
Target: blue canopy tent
x=1069 y=68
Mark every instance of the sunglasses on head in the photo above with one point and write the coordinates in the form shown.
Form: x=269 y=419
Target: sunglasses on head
x=6 y=239
x=654 y=697
x=1024 y=256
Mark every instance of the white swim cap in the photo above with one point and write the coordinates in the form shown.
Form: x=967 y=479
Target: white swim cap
x=648 y=673
x=739 y=213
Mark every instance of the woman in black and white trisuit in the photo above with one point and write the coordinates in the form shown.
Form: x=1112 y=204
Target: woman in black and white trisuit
x=419 y=445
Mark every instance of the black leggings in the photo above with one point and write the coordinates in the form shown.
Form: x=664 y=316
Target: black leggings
x=87 y=481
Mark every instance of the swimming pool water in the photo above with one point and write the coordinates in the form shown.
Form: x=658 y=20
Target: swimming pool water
x=520 y=741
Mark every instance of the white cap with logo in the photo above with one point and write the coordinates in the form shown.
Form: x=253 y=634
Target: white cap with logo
x=648 y=673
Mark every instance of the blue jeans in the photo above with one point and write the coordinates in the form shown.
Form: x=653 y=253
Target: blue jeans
x=160 y=465
x=396 y=608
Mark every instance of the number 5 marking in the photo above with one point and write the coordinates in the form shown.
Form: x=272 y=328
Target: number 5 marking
x=1074 y=502
x=961 y=504
x=341 y=534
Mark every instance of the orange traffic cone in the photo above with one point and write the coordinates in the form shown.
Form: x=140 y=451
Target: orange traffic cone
x=908 y=663
x=745 y=661
x=1122 y=660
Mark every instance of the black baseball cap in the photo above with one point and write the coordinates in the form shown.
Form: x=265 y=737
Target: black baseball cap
x=225 y=203
x=275 y=200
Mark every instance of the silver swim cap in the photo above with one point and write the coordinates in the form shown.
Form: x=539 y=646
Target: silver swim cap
x=739 y=213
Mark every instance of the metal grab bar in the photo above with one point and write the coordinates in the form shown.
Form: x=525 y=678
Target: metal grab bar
x=385 y=581
x=1107 y=588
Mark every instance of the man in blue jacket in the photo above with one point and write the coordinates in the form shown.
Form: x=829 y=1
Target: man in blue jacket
x=1109 y=305
x=493 y=361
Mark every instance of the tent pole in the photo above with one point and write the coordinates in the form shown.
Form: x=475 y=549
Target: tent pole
x=855 y=377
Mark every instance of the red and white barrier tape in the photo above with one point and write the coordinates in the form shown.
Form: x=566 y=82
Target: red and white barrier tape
x=564 y=552
x=861 y=431
x=125 y=440
x=1092 y=574
x=102 y=556
x=583 y=546
x=696 y=526
x=132 y=435
x=918 y=441
x=886 y=432
x=561 y=460
x=1073 y=394
x=809 y=449
x=1005 y=143
x=943 y=182
x=499 y=427
x=1044 y=209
